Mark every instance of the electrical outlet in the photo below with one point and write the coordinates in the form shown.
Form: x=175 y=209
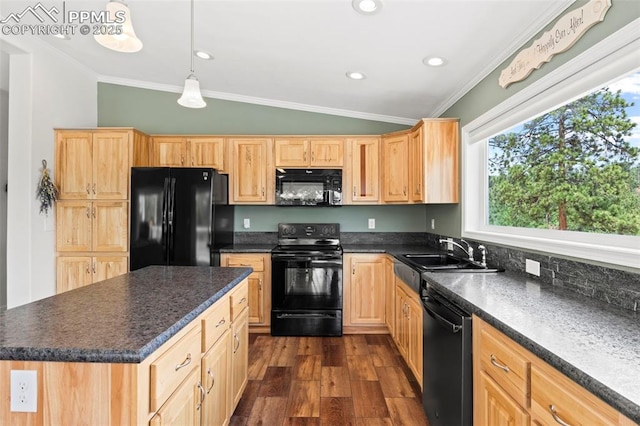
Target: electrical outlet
x=24 y=391
x=433 y=224
x=246 y=223
x=372 y=223
x=532 y=267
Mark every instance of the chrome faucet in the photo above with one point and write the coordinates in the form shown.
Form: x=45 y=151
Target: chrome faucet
x=483 y=251
x=468 y=251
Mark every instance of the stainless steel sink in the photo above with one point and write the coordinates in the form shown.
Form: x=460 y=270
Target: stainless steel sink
x=445 y=263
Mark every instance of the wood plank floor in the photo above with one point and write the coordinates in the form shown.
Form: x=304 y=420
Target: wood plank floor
x=358 y=380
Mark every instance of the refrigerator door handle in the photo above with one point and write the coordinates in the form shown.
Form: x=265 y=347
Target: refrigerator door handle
x=165 y=209
x=172 y=192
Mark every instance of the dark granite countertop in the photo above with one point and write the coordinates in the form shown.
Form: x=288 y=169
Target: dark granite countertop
x=120 y=320
x=595 y=344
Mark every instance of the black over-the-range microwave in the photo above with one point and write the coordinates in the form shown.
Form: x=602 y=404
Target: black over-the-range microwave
x=309 y=187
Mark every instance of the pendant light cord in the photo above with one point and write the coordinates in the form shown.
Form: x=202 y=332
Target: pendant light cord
x=192 y=31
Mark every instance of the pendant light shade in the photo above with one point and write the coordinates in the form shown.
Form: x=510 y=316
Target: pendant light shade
x=191 y=96
x=127 y=41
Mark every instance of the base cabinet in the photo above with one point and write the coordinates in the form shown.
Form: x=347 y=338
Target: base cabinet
x=239 y=357
x=512 y=386
x=408 y=327
x=259 y=284
x=183 y=406
x=215 y=381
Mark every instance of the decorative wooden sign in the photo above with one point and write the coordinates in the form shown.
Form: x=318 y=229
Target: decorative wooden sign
x=561 y=37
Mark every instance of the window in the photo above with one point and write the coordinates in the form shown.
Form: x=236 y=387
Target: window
x=558 y=162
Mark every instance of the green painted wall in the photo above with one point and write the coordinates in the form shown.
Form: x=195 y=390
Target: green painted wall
x=351 y=218
x=157 y=112
x=487 y=94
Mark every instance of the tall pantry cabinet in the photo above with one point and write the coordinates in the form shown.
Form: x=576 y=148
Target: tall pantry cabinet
x=92 y=212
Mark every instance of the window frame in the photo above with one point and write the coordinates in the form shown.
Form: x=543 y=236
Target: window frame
x=603 y=63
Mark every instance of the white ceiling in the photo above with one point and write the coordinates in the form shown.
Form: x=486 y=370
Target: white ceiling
x=295 y=53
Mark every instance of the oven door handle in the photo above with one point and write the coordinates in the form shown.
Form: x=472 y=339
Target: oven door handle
x=454 y=328
x=318 y=259
x=306 y=315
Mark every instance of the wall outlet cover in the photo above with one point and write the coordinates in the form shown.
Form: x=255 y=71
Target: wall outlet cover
x=24 y=391
x=372 y=223
x=246 y=223
x=532 y=267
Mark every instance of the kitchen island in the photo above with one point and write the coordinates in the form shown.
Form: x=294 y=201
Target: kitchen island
x=116 y=352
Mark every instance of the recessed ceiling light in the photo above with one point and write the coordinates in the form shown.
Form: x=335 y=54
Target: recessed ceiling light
x=433 y=61
x=203 y=55
x=356 y=75
x=367 y=7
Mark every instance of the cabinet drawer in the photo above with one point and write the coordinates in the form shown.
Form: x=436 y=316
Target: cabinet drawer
x=215 y=323
x=508 y=367
x=173 y=366
x=239 y=299
x=255 y=262
x=553 y=394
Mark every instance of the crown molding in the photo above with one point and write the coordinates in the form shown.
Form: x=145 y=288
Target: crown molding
x=524 y=37
x=260 y=101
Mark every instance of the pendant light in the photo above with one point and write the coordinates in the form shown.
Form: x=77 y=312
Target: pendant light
x=126 y=41
x=191 y=96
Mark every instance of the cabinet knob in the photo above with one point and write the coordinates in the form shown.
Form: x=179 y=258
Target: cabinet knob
x=235 y=336
x=202 y=395
x=93 y=212
x=93 y=268
x=404 y=190
x=88 y=269
x=221 y=322
x=88 y=213
x=88 y=188
x=94 y=188
x=263 y=191
x=354 y=192
x=313 y=156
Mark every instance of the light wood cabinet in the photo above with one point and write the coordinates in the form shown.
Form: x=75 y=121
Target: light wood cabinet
x=408 y=326
x=512 y=386
x=252 y=174
x=183 y=407
x=239 y=357
x=389 y=294
x=92 y=173
x=259 y=285
x=365 y=274
x=93 y=165
x=421 y=166
x=77 y=271
x=192 y=151
x=362 y=172
x=395 y=171
x=495 y=407
x=215 y=381
x=309 y=152
x=99 y=226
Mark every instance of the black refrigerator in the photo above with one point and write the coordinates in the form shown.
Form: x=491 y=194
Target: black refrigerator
x=179 y=216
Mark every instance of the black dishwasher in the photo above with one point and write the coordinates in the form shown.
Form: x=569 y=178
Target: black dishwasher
x=447 y=369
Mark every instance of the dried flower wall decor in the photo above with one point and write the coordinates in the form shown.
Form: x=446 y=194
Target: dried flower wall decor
x=46 y=192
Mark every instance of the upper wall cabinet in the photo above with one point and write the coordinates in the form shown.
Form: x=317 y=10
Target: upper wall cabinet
x=395 y=168
x=196 y=151
x=421 y=166
x=309 y=152
x=362 y=171
x=252 y=174
x=93 y=164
